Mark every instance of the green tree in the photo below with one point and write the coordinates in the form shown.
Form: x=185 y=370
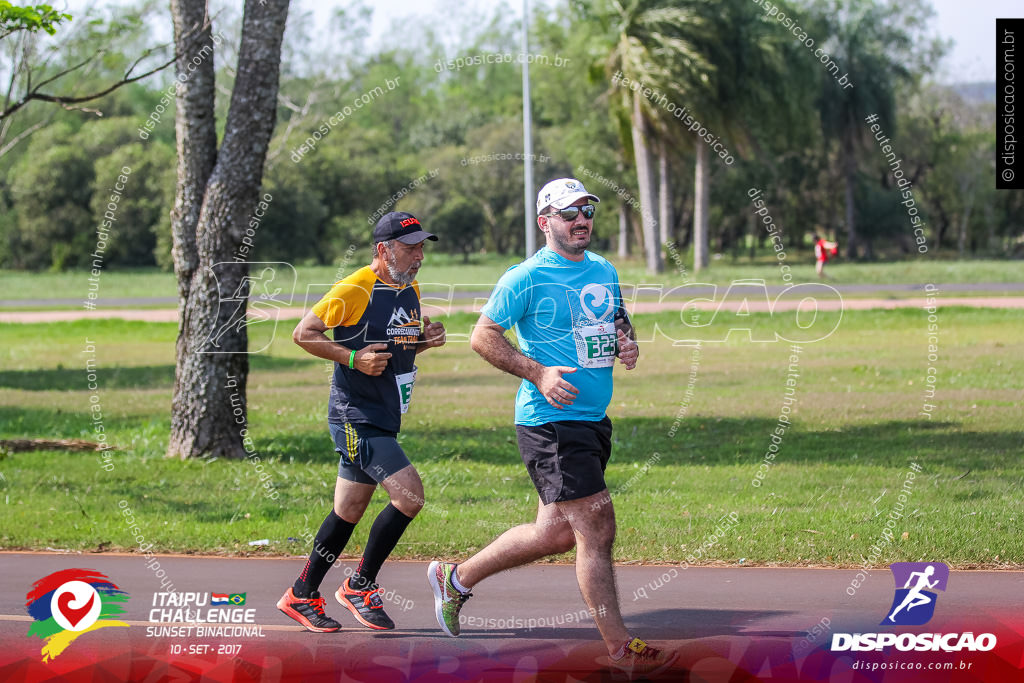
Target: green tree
x=90 y=68
x=495 y=182
x=586 y=136
x=882 y=46
x=52 y=187
x=31 y=77
x=651 y=46
x=294 y=227
x=143 y=208
x=756 y=74
x=948 y=152
x=460 y=226
x=64 y=178
x=29 y=19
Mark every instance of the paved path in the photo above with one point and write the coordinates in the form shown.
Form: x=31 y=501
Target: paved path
x=741 y=624
x=477 y=291
x=166 y=315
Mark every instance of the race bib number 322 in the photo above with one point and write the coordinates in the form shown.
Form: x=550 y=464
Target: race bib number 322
x=596 y=345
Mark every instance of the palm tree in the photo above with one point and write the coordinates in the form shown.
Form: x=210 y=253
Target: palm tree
x=750 y=78
x=875 y=43
x=651 y=45
x=721 y=60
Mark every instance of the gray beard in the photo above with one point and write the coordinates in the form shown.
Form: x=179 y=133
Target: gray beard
x=400 y=277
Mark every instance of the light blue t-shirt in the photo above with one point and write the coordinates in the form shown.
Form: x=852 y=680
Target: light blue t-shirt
x=563 y=314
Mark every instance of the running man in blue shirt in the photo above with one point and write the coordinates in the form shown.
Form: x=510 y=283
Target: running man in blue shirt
x=566 y=308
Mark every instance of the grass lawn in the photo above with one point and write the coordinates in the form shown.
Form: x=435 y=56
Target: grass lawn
x=441 y=271
x=691 y=430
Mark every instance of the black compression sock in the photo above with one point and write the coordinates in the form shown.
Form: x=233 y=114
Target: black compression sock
x=387 y=529
x=330 y=541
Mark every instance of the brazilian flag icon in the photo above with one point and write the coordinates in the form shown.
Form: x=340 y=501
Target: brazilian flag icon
x=237 y=598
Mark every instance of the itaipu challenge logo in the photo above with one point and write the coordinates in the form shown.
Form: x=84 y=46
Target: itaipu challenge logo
x=69 y=603
x=914 y=602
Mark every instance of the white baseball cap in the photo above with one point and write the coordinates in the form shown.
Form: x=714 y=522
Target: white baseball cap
x=562 y=192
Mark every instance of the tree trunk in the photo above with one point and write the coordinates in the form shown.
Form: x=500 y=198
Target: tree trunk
x=196 y=139
x=623 y=250
x=990 y=232
x=638 y=234
x=648 y=191
x=941 y=225
x=665 y=217
x=216 y=195
x=965 y=220
x=735 y=237
x=850 y=178
x=701 y=187
x=686 y=234
x=869 y=248
x=494 y=228
x=968 y=191
x=752 y=224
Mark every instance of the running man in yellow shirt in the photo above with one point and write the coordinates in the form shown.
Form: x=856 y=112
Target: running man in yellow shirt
x=378 y=330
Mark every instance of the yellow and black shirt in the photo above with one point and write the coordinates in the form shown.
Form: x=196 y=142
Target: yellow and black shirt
x=363 y=310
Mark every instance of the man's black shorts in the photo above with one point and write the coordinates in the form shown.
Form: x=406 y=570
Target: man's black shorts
x=369 y=455
x=566 y=460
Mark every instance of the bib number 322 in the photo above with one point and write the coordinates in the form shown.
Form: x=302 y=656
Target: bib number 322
x=596 y=345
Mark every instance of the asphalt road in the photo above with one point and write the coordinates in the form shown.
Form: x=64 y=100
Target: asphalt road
x=729 y=624
x=753 y=305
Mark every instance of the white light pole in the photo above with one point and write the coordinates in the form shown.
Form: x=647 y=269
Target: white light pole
x=531 y=226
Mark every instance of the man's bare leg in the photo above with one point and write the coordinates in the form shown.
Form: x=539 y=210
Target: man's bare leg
x=405 y=489
x=551 y=534
x=593 y=522
x=351 y=499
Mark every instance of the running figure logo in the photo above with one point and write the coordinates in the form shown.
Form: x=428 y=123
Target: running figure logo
x=255 y=300
x=914 y=602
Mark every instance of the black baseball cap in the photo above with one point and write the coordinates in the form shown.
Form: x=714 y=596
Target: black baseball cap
x=400 y=226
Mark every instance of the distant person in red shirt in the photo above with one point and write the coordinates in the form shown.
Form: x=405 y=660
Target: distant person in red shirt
x=822 y=250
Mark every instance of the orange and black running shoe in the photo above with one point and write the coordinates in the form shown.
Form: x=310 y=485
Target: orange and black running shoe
x=308 y=611
x=366 y=606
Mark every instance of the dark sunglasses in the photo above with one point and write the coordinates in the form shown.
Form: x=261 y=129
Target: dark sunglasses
x=569 y=214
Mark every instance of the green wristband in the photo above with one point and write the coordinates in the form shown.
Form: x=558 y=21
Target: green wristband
x=352 y=360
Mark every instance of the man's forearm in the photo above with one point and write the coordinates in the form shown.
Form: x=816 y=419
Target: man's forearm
x=320 y=345
x=421 y=345
x=497 y=350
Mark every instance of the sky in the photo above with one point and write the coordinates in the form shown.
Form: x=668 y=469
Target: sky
x=970 y=23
